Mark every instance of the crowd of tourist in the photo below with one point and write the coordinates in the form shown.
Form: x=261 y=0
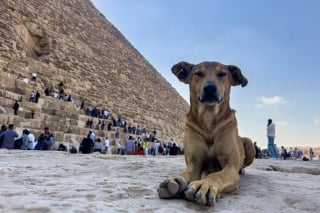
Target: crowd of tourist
x=291 y=154
x=133 y=146
x=10 y=139
x=137 y=142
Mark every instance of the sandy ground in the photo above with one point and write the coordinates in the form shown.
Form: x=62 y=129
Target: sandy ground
x=40 y=181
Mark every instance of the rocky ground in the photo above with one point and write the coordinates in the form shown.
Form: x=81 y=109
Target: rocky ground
x=39 y=181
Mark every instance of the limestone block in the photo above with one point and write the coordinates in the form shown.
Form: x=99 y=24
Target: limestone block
x=74 y=116
x=3 y=119
x=20 y=87
x=74 y=122
x=58 y=136
x=84 y=131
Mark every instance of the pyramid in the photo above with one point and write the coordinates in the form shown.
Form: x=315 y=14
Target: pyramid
x=70 y=41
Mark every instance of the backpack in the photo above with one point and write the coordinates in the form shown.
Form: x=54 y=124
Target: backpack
x=18 y=143
x=160 y=149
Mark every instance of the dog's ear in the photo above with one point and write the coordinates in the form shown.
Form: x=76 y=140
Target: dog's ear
x=182 y=70
x=237 y=77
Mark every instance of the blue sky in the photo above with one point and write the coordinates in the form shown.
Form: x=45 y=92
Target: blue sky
x=275 y=43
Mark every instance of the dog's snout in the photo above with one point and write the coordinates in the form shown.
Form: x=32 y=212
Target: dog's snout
x=210 y=94
x=210 y=88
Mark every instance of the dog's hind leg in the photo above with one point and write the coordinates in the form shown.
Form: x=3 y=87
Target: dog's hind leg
x=249 y=151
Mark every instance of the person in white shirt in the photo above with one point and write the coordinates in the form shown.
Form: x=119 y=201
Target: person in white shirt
x=31 y=140
x=34 y=76
x=107 y=144
x=271 y=130
x=92 y=136
x=118 y=148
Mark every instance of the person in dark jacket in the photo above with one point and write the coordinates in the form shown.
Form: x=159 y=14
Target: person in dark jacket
x=86 y=144
x=174 y=149
x=16 y=107
x=45 y=141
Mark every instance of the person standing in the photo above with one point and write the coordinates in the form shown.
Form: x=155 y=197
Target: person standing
x=33 y=111
x=118 y=147
x=7 y=137
x=311 y=154
x=16 y=107
x=107 y=144
x=271 y=131
x=37 y=96
x=130 y=146
x=144 y=146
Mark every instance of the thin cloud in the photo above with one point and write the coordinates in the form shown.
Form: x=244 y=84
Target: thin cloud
x=258 y=106
x=273 y=100
x=281 y=123
x=316 y=121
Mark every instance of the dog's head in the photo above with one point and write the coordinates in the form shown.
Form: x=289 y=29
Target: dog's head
x=209 y=82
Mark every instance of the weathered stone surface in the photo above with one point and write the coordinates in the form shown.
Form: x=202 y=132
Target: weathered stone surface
x=70 y=41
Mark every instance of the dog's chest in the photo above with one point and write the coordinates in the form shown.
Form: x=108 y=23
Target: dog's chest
x=212 y=164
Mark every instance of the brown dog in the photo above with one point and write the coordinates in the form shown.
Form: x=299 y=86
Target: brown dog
x=214 y=152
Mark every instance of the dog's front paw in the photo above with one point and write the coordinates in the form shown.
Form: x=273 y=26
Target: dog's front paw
x=201 y=193
x=172 y=188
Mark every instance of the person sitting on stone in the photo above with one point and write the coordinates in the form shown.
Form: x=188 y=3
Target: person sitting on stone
x=86 y=144
x=62 y=148
x=31 y=139
x=3 y=128
x=97 y=146
x=45 y=141
x=7 y=137
x=174 y=149
x=72 y=148
x=32 y=96
x=25 y=140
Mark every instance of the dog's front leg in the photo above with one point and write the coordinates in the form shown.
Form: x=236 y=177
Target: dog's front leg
x=206 y=191
x=174 y=187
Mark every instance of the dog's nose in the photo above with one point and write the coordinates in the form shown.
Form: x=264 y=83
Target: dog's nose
x=210 y=88
x=210 y=94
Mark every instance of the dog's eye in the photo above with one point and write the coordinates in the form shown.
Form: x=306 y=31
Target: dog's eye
x=221 y=74
x=199 y=74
